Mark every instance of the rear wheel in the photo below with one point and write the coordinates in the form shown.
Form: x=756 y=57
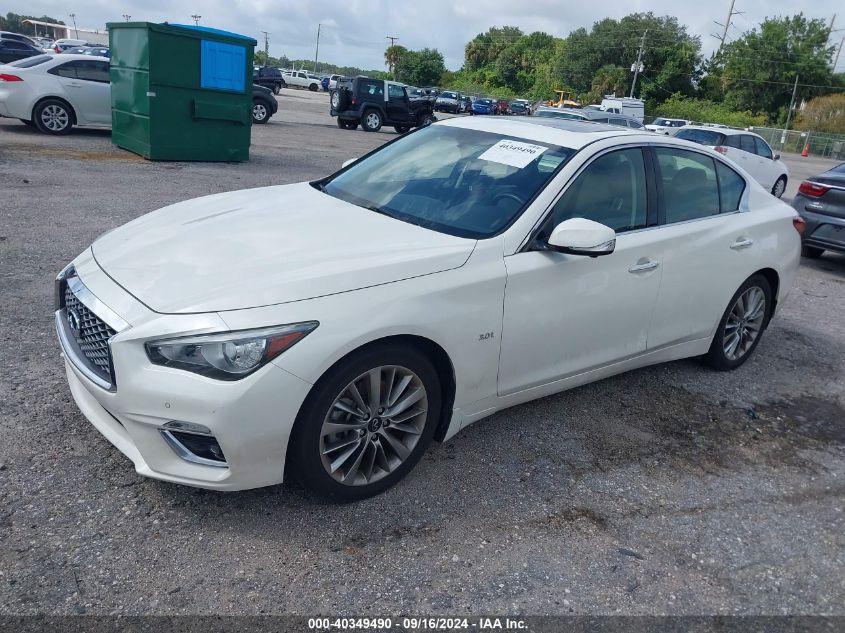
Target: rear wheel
x=401 y=129
x=313 y=87
x=347 y=124
x=427 y=119
x=260 y=111
x=742 y=324
x=779 y=187
x=811 y=252
x=371 y=121
x=277 y=89
x=53 y=116
x=367 y=423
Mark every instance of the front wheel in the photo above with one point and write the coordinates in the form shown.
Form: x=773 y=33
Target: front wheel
x=742 y=324
x=371 y=121
x=428 y=119
x=779 y=187
x=401 y=129
x=277 y=89
x=366 y=424
x=260 y=112
x=347 y=124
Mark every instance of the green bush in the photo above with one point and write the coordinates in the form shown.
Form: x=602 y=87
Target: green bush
x=704 y=111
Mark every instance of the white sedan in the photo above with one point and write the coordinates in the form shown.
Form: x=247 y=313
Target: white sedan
x=330 y=330
x=56 y=92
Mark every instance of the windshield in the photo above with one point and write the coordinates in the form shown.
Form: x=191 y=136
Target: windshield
x=484 y=101
x=705 y=137
x=453 y=180
x=448 y=95
x=29 y=62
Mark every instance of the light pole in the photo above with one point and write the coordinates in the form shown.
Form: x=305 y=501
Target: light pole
x=75 y=30
x=196 y=18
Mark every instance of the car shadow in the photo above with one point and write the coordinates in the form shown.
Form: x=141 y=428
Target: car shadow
x=22 y=129
x=829 y=262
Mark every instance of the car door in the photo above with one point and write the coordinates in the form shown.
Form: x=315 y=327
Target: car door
x=769 y=170
x=566 y=314
x=86 y=85
x=397 y=105
x=699 y=198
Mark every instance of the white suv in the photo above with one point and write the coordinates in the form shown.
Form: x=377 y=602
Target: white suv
x=746 y=149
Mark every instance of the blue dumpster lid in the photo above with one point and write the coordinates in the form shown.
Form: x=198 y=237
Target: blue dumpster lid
x=211 y=31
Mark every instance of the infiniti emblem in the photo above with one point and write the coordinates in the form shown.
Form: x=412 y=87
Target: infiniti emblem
x=74 y=322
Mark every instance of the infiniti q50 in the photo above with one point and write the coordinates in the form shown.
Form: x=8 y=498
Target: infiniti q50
x=330 y=330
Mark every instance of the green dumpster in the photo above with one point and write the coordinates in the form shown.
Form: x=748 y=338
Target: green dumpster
x=181 y=92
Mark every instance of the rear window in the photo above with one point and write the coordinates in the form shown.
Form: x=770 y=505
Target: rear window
x=29 y=62
x=705 y=137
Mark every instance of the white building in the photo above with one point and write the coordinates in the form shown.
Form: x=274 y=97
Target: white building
x=61 y=31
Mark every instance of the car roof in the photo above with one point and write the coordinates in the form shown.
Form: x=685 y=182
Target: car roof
x=69 y=57
x=727 y=131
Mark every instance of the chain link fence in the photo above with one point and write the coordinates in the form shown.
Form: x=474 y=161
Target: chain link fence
x=817 y=143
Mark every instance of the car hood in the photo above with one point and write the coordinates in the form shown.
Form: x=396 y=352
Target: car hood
x=266 y=246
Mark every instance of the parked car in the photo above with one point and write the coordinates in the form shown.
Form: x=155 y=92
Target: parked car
x=269 y=77
x=97 y=51
x=483 y=106
x=333 y=79
x=821 y=202
x=662 y=125
x=518 y=106
x=596 y=116
x=301 y=79
x=18 y=37
x=448 y=101
x=750 y=151
x=56 y=92
x=624 y=105
x=402 y=299
x=264 y=104
x=374 y=102
x=12 y=50
x=466 y=103
x=61 y=44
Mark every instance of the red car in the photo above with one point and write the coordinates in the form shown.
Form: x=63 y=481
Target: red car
x=502 y=106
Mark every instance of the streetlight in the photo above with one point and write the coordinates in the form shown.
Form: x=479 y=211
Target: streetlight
x=196 y=18
x=73 y=17
x=126 y=16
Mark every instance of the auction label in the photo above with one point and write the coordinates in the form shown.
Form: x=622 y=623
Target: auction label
x=513 y=153
x=418 y=624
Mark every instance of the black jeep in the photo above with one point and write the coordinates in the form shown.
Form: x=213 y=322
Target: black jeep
x=269 y=77
x=373 y=103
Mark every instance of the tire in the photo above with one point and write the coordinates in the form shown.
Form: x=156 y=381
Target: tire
x=811 y=252
x=371 y=120
x=401 y=129
x=53 y=116
x=277 y=89
x=427 y=120
x=313 y=87
x=347 y=124
x=738 y=318
x=375 y=462
x=779 y=187
x=260 y=111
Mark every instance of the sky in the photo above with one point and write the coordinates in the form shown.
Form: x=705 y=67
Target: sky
x=354 y=32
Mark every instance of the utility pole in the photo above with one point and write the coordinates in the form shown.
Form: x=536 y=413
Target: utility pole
x=838 y=50
x=196 y=18
x=266 y=46
x=638 y=65
x=126 y=16
x=726 y=25
x=73 y=17
x=789 y=112
x=317 y=52
x=392 y=39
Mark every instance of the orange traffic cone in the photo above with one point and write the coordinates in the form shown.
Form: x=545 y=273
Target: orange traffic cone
x=806 y=150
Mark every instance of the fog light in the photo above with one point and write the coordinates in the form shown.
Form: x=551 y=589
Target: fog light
x=194 y=443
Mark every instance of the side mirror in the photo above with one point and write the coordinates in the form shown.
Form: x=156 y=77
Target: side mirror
x=776 y=157
x=348 y=162
x=579 y=236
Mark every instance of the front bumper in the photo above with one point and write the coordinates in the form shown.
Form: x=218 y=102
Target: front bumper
x=822 y=231
x=251 y=418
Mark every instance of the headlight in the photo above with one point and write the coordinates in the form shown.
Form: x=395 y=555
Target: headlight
x=229 y=355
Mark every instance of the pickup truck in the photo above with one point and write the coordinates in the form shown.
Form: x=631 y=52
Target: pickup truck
x=301 y=79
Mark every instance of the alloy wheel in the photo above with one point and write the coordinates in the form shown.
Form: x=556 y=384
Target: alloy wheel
x=372 y=120
x=259 y=112
x=55 y=118
x=744 y=323
x=780 y=187
x=373 y=425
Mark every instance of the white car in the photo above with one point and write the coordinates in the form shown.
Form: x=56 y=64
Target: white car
x=56 y=92
x=333 y=79
x=301 y=79
x=476 y=264
x=662 y=125
x=748 y=150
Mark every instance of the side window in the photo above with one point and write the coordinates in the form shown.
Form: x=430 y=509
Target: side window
x=611 y=190
x=731 y=186
x=93 y=71
x=762 y=148
x=746 y=143
x=732 y=141
x=64 y=70
x=395 y=92
x=690 y=188
x=621 y=122
x=373 y=89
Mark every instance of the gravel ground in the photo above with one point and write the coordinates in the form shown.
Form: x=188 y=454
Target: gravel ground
x=668 y=490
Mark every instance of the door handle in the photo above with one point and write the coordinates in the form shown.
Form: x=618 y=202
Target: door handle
x=741 y=243
x=643 y=265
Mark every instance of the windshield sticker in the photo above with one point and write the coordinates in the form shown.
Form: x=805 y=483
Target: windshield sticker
x=513 y=153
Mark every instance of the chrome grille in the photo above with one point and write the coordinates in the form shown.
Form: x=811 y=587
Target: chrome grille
x=92 y=336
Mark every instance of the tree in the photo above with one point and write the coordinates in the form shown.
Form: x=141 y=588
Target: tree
x=483 y=50
x=824 y=114
x=420 y=68
x=608 y=79
x=392 y=55
x=14 y=23
x=757 y=71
